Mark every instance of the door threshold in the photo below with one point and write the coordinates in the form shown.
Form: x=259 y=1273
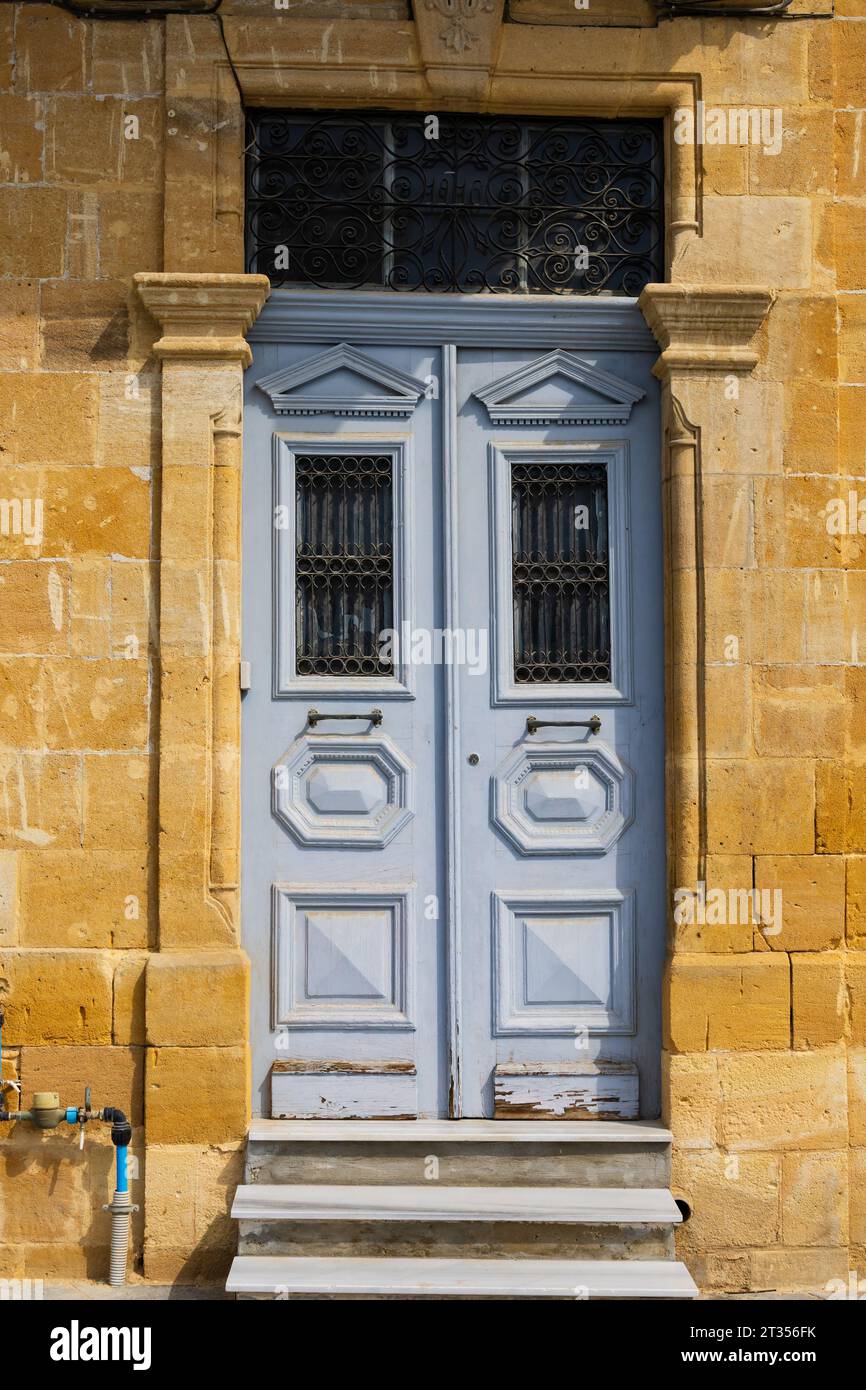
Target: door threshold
x=461 y=1131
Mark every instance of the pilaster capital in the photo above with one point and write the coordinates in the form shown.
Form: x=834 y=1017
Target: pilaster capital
x=704 y=328
x=203 y=316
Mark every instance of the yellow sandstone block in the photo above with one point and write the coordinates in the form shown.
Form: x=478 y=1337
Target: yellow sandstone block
x=797 y=707
x=813 y=1271
x=197 y=999
x=116 y=801
x=716 y=1003
x=815 y=1199
x=761 y=807
x=32 y=230
x=34 y=607
x=813 y=899
x=56 y=996
x=734 y=1199
x=50 y=49
x=127 y=1026
x=196 y=1094
x=818 y=994
x=690 y=1089
x=22 y=125
x=40 y=800
x=85 y=326
x=85 y=898
x=783 y=1100
x=8 y=897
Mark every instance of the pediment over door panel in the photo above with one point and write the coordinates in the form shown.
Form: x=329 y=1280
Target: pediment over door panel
x=343 y=381
x=559 y=389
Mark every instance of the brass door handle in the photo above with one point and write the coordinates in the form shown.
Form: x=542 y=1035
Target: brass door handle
x=533 y=724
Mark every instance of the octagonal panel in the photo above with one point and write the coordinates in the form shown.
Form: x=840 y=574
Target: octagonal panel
x=330 y=789
x=550 y=798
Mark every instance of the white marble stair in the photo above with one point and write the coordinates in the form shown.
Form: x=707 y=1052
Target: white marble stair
x=457 y=1209
x=595 y=1206
x=285 y=1276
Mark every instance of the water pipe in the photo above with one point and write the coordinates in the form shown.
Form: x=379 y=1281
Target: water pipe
x=46 y=1112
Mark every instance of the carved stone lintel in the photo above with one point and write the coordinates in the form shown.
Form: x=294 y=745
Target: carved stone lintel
x=704 y=328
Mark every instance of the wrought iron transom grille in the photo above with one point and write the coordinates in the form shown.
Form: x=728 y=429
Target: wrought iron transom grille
x=343 y=563
x=560 y=573
x=454 y=203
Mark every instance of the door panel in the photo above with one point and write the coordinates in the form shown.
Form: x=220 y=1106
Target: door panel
x=531 y=983
x=563 y=887
x=343 y=815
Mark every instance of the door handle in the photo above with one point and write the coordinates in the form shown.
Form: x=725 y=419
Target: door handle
x=374 y=716
x=533 y=724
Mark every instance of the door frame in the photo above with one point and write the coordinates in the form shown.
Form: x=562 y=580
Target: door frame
x=309 y=317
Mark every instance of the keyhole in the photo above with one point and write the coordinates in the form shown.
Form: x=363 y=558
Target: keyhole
x=473 y=760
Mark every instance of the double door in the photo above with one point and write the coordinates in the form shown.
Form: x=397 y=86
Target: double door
x=453 y=738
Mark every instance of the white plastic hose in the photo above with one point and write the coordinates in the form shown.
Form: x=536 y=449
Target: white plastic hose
x=120 y=1210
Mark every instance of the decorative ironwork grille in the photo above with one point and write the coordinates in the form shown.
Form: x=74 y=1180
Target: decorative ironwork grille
x=343 y=563
x=560 y=573
x=454 y=203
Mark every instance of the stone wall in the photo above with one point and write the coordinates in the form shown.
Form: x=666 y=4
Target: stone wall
x=765 y=1034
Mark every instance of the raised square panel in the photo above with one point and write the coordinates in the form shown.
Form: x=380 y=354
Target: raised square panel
x=554 y=798
x=342 y=957
x=344 y=791
x=564 y=962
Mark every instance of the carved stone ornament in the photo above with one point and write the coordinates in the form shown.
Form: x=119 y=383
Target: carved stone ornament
x=458 y=34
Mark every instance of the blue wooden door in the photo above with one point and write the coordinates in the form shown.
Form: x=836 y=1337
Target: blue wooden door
x=453 y=895
x=563 y=868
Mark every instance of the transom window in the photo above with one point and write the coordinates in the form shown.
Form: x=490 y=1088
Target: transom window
x=456 y=203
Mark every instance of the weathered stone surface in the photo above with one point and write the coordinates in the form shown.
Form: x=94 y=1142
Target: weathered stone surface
x=19 y=326
x=812 y=1271
x=783 y=1100
x=81 y=898
x=21 y=129
x=813 y=899
x=734 y=1194
x=95 y=705
x=761 y=807
x=196 y=1094
x=815 y=1199
x=739 y=231
x=32 y=230
x=56 y=997
x=818 y=998
x=728 y=1002
x=115 y=1075
x=116 y=801
x=46 y=418
x=85 y=326
x=34 y=607
x=126 y=58
x=128 y=1027
x=40 y=800
x=9 y=897
x=198 y=1000
x=797 y=708
x=50 y=48
x=691 y=1097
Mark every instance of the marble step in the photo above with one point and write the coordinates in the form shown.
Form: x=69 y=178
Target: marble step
x=509 y=1153
x=432 y=1202
x=285 y=1276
